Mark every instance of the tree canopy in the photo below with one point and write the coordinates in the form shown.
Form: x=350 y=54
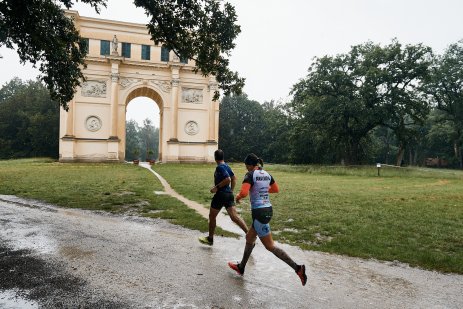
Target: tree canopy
x=346 y=96
x=203 y=30
x=445 y=88
x=29 y=121
x=141 y=142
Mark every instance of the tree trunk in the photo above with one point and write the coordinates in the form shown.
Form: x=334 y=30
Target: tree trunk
x=400 y=154
x=387 y=151
x=410 y=156
x=458 y=153
x=388 y=146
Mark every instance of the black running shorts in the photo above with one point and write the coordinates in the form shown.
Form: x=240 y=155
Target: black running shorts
x=263 y=215
x=222 y=199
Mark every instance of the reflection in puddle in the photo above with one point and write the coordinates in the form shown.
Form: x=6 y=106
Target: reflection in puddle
x=9 y=300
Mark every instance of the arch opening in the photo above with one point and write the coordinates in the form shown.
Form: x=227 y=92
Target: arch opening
x=143 y=125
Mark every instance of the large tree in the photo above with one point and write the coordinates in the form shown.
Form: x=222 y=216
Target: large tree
x=445 y=87
x=132 y=140
x=141 y=142
x=242 y=127
x=398 y=76
x=276 y=135
x=149 y=137
x=346 y=96
x=29 y=121
x=203 y=30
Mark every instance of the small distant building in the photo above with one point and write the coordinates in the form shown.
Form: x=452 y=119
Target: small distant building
x=436 y=162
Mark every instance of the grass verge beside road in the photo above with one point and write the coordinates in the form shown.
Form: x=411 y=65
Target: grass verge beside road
x=117 y=188
x=411 y=215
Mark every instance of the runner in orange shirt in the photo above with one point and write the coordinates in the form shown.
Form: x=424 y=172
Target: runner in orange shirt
x=259 y=184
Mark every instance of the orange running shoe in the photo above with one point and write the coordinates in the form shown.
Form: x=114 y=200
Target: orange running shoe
x=236 y=268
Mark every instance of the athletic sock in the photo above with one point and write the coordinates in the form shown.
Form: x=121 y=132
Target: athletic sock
x=247 y=253
x=241 y=268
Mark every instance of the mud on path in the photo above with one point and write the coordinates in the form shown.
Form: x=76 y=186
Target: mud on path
x=60 y=258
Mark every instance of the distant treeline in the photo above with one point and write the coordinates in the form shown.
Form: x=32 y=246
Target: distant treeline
x=142 y=143
x=392 y=104
x=29 y=121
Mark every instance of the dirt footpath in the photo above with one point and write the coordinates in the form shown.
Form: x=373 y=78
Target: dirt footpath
x=54 y=257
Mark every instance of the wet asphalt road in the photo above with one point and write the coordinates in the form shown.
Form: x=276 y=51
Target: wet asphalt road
x=52 y=257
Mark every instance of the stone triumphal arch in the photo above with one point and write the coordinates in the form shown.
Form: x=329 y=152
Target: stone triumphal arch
x=122 y=64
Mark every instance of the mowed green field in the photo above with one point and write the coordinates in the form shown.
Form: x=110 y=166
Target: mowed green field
x=410 y=215
x=117 y=188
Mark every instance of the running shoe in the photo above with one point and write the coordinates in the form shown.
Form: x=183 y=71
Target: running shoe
x=206 y=240
x=301 y=274
x=236 y=268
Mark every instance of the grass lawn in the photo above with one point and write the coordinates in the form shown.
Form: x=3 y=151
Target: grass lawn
x=411 y=215
x=118 y=188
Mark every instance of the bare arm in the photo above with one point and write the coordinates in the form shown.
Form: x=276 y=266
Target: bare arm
x=233 y=182
x=221 y=184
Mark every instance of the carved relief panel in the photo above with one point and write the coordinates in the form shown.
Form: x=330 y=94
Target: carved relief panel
x=192 y=95
x=94 y=88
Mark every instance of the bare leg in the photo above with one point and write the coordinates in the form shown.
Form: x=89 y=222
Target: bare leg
x=250 y=243
x=212 y=221
x=279 y=253
x=237 y=219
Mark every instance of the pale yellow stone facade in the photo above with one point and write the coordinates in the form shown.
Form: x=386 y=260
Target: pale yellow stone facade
x=93 y=129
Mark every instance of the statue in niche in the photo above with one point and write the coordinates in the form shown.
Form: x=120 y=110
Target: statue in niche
x=115 y=43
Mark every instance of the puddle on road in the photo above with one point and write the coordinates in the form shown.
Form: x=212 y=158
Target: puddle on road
x=31 y=238
x=74 y=252
x=9 y=300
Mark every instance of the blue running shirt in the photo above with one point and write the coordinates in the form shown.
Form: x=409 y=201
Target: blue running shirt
x=223 y=171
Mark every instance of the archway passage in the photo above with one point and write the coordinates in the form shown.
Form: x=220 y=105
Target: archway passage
x=123 y=64
x=142 y=130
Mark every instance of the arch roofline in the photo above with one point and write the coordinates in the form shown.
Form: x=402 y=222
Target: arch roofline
x=84 y=21
x=148 y=91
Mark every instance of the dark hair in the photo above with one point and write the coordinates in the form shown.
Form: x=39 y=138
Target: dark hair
x=218 y=155
x=252 y=159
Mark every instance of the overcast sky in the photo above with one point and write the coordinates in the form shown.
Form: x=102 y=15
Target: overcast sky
x=279 y=39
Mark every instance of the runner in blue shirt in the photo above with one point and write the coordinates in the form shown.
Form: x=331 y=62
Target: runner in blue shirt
x=224 y=183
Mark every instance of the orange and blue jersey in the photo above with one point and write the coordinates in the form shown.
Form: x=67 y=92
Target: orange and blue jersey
x=259 y=184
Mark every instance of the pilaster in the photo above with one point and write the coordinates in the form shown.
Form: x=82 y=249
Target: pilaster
x=175 y=84
x=114 y=97
x=212 y=87
x=70 y=120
